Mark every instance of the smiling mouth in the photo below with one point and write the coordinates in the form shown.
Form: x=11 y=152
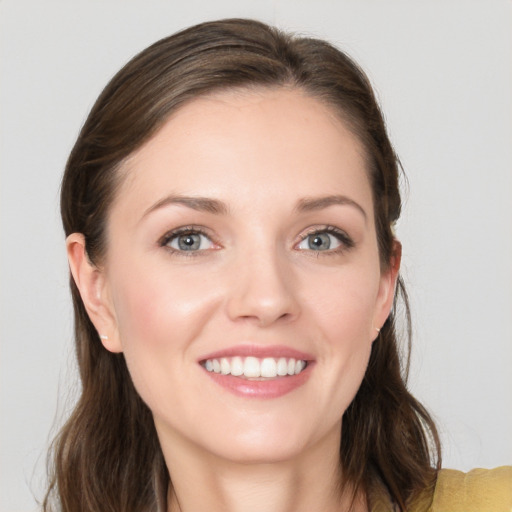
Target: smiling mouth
x=255 y=368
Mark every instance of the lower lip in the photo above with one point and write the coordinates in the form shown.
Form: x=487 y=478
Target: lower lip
x=264 y=389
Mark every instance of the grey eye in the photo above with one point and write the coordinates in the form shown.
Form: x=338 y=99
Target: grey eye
x=320 y=241
x=190 y=242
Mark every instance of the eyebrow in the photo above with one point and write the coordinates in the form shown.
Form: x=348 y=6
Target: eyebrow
x=201 y=204
x=310 y=204
x=206 y=204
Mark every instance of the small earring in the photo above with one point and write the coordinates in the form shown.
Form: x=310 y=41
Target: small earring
x=103 y=337
x=377 y=329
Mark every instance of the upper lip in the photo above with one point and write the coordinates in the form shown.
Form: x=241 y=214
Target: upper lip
x=259 y=351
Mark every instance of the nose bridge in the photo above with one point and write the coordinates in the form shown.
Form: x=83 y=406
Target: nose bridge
x=263 y=285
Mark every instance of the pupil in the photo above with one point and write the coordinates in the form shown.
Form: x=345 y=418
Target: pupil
x=321 y=241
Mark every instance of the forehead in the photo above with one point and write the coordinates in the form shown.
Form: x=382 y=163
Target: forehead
x=249 y=141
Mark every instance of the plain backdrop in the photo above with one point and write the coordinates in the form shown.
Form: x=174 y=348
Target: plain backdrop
x=442 y=71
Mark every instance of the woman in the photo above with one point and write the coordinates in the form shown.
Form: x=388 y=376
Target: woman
x=229 y=209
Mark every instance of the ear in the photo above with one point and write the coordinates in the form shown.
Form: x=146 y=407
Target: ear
x=387 y=288
x=92 y=285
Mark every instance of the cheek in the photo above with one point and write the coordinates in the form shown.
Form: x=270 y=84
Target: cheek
x=155 y=307
x=159 y=313
x=156 y=323
x=345 y=305
x=343 y=314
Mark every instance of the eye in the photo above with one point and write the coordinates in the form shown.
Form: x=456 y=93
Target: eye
x=187 y=240
x=327 y=239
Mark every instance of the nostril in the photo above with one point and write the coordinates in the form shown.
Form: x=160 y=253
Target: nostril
x=263 y=292
x=264 y=319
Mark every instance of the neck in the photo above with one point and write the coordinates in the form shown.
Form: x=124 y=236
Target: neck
x=310 y=482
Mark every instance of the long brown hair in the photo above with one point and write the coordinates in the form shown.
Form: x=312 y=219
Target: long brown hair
x=107 y=455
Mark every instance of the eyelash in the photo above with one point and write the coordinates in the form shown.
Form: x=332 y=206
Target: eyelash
x=185 y=230
x=345 y=241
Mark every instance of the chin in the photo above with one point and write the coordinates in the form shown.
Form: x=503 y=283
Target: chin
x=262 y=452
x=269 y=442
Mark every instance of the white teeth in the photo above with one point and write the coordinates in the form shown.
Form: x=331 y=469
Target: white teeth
x=282 y=367
x=268 y=367
x=252 y=367
x=237 y=366
x=225 y=367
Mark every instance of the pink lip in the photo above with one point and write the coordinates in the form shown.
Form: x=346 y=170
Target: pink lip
x=259 y=351
x=263 y=389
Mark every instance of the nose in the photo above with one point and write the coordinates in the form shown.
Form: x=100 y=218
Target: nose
x=263 y=290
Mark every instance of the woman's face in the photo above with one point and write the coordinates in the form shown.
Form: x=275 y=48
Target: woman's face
x=242 y=243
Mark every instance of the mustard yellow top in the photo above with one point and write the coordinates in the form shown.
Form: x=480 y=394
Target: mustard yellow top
x=479 y=490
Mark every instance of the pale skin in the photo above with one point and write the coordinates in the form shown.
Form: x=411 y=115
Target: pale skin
x=246 y=221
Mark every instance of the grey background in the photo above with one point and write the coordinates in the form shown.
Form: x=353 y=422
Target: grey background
x=443 y=74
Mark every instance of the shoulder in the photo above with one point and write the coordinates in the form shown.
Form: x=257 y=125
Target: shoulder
x=479 y=490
